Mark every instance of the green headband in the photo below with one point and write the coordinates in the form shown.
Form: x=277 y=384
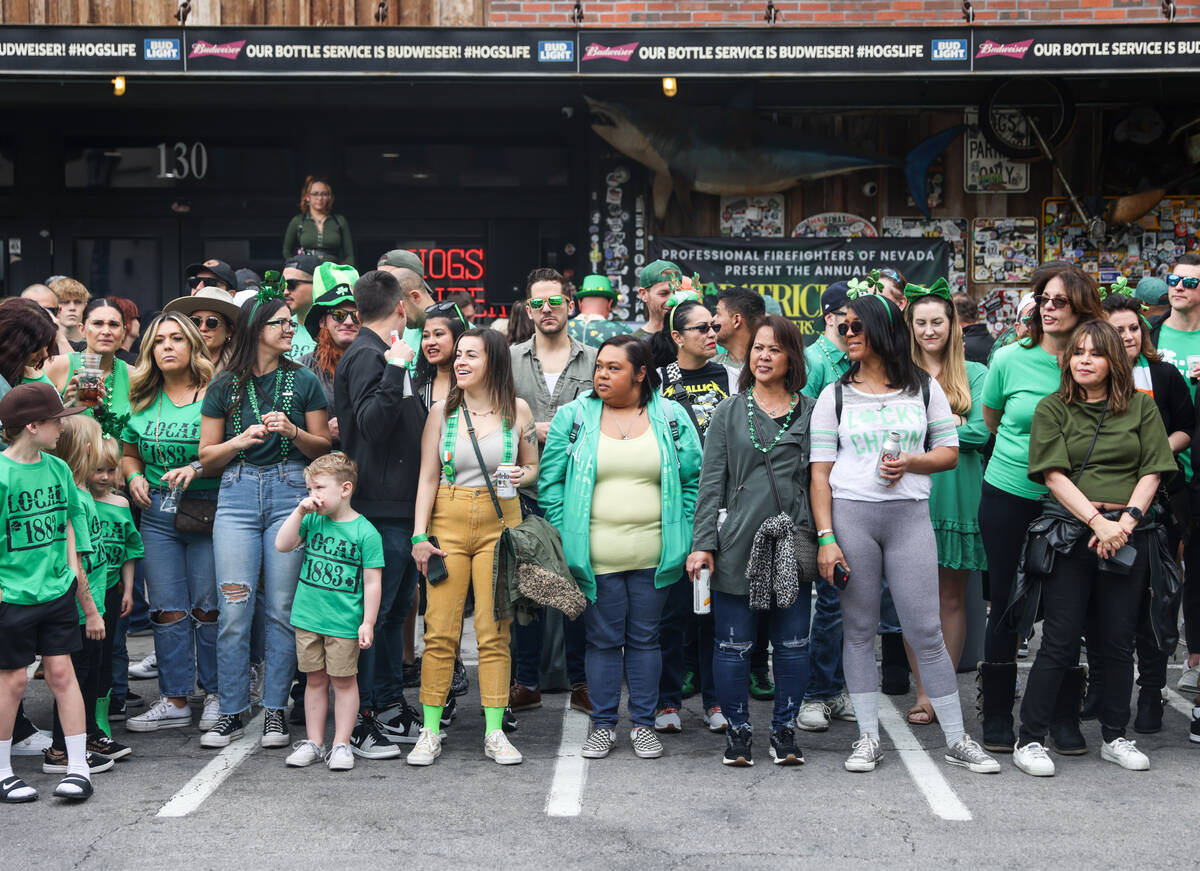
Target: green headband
x=939 y=288
x=870 y=286
x=272 y=288
x=1121 y=287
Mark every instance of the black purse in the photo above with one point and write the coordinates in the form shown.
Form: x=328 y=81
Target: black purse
x=195 y=515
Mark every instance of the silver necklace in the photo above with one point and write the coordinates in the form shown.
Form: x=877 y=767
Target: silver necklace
x=617 y=421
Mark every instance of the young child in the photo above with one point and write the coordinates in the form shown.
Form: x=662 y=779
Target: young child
x=337 y=601
x=79 y=448
x=41 y=579
x=121 y=547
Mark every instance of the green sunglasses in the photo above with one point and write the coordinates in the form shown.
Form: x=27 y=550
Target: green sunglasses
x=553 y=301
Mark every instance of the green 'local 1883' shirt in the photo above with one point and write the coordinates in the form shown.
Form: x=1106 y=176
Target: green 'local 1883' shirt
x=167 y=437
x=93 y=560
x=1175 y=346
x=329 y=597
x=120 y=540
x=37 y=500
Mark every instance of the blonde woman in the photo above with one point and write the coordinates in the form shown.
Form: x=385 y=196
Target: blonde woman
x=954 y=499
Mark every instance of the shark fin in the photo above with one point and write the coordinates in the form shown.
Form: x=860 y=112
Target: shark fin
x=662 y=194
x=916 y=163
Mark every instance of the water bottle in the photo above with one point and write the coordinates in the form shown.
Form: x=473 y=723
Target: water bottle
x=702 y=593
x=891 y=451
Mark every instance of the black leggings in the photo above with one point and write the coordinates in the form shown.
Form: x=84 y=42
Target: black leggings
x=87 y=672
x=1003 y=519
x=112 y=616
x=1191 y=592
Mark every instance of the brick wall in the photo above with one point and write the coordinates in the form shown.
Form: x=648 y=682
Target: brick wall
x=828 y=13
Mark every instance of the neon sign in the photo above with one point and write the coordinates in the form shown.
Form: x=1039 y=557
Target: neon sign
x=450 y=270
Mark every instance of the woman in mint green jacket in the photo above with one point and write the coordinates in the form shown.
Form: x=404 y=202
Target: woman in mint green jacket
x=618 y=478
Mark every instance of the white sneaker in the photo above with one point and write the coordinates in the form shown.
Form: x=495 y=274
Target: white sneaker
x=1189 y=681
x=841 y=708
x=1033 y=759
x=35 y=745
x=1124 y=753
x=144 y=670
x=426 y=750
x=500 y=750
x=667 y=720
x=258 y=674
x=715 y=720
x=305 y=753
x=161 y=715
x=211 y=712
x=813 y=716
x=340 y=758
x=864 y=754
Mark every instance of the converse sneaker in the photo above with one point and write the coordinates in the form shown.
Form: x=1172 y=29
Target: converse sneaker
x=399 y=723
x=864 y=754
x=667 y=720
x=368 y=742
x=813 y=716
x=161 y=715
x=211 y=712
x=275 y=730
x=102 y=745
x=968 y=754
x=841 y=708
x=783 y=747
x=55 y=762
x=1124 y=753
x=645 y=743
x=1033 y=759
x=1189 y=681
x=497 y=747
x=738 y=747
x=304 y=753
x=599 y=743
x=340 y=758
x=427 y=749
x=229 y=728
x=714 y=719
x=39 y=742
x=146 y=669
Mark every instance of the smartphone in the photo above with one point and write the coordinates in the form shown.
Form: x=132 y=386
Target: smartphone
x=1120 y=562
x=841 y=577
x=436 y=570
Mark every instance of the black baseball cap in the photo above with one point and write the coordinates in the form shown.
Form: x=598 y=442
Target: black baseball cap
x=306 y=263
x=834 y=297
x=219 y=268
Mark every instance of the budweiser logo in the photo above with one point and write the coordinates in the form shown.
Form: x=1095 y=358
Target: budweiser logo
x=1014 y=50
x=227 y=50
x=622 y=53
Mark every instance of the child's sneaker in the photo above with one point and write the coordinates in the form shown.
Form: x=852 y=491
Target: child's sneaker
x=161 y=715
x=229 y=728
x=427 y=749
x=102 y=745
x=55 y=762
x=340 y=758
x=305 y=753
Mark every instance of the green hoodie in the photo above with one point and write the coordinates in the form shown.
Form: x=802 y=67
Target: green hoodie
x=567 y=477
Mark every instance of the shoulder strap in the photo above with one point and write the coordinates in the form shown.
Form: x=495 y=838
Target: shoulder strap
x=482 y=465
x=1092 y=446
x=576 y=426
x=925 y=400
x=837 y=408
x=774 y=486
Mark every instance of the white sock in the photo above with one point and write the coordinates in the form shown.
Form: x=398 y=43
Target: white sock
x=949 y=714
x=866 y=708
x=77 y=755
x=6 y=759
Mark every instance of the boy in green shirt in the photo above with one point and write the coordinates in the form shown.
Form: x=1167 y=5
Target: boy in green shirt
x=336 y=604
x=40 y=580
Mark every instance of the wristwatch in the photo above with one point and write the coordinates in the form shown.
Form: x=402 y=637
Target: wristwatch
x=1134 y=512
x=197 y=466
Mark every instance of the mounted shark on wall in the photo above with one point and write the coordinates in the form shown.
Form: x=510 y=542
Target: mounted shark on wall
x=725 y=151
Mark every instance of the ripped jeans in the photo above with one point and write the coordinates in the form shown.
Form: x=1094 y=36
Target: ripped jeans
x=733 y=641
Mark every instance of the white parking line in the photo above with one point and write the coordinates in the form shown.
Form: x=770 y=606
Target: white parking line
x=209 y=779
x=1179 y=702
x=565 y=798
x=925 y=773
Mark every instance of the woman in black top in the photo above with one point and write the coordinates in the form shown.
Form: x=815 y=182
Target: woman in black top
x=690 y=337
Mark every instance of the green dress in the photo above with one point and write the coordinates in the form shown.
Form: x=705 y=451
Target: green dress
x=954 y=497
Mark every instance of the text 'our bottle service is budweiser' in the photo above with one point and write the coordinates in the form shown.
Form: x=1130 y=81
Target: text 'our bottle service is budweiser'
x=891 y=451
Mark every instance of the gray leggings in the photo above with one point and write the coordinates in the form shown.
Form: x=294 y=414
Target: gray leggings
x=893 y=540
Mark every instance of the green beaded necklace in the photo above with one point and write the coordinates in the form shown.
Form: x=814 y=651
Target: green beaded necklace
x=282 y=386
x=782 y=429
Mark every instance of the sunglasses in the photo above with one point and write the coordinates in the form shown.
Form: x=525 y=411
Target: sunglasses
x=552 y=301
x=1190 y=282
x=702 y=328
x=851 y=328
x=442 y=309
x=340 y=315
x=204 y=281
x=285 y=325
x=53 y=309
x=1052 y=302
x=211 y=322
x=293 y=283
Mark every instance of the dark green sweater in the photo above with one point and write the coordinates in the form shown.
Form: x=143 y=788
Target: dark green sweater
x=332 y=243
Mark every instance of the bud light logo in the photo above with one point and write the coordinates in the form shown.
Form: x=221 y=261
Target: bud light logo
x=949 y=49
x=556 y=51
x=160 y=49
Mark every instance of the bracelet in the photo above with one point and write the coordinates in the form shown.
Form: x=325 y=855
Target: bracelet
x=822 y=532
x=297 y=434
x=133 y=475
x=826 y=539
x=417 y=539
x=1093 y=517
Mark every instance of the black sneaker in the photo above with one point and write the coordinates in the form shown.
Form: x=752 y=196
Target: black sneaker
x=509 y=723
x=275 y=730
x=229 y=728
x=737 y=746
x=459 y=684
x=368 y=742
x=412 y=674
x=1195 y=736
x=102 y=745
x=783 y=747
x=133 y=701
x=296 y=715
x=118 y=710
x=450 y=711
x=399 y=723
x=55 y=762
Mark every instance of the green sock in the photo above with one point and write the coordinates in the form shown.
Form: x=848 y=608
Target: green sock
x=493 y=719
x=102 y=713
x=433 y=718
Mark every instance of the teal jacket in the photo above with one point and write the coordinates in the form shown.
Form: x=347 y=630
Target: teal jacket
x=567 y=478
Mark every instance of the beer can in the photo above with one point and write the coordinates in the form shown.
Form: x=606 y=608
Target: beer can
x=702 y=593
x=891 y=451
x=505 y=473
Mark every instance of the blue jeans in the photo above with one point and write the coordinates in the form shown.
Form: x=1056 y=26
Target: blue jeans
x=528 y=656
x=254 y=503
x=622 y=636
x=736 y=628
x=889 y=620
x=825 y=678
x=381 y=666
x=180 y=576
x=677 y=621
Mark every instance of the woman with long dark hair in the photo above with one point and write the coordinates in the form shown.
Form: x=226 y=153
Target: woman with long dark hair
x=28 y=338
x=263 y=419
x=455 y=519
x=870 y=504
x=444 y=323
x=104 y=328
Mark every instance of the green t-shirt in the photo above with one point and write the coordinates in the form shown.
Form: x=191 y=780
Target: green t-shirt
x=1174 y=347
x=329 y=597
x=36 y=502
x=120 y=540
x=824 y=363
x=93 y=561
x=1130 y=445
x=302 y=342
x=117 y=384
x=167 y=436
x=1018 y=379
x=307 y=395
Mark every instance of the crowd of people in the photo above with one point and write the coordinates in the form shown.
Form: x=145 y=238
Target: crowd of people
x=288 y=470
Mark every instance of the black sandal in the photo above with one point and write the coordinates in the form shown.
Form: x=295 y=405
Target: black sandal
x=85 y=787
x=14 y=784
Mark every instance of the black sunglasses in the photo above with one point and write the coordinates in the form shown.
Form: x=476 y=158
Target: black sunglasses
x=293 y=283
x=53 y=309
x=852 y=328
x=211 y=322
x=340 y=315
x=205 y=281
x=442 y=309
x=1052 y=302
x=702 y=328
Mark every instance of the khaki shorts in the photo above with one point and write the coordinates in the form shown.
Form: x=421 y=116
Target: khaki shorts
x=337 y=657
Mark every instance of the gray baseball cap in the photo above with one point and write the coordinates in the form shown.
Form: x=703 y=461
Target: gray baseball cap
x=402 y=258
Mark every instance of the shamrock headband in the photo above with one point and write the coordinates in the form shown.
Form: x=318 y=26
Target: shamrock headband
x=272 y=288
x=870 y=286
x=1121 y=287
x=939 y=288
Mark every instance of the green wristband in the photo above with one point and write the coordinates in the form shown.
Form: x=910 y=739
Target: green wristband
x=133 y=475
x=826 y=539
x=417 y=539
